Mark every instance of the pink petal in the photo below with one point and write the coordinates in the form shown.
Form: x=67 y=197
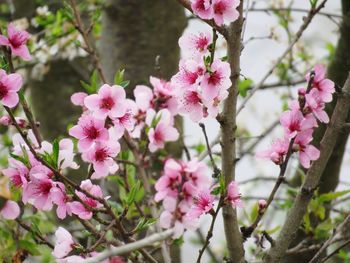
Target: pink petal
x=10 y=100
x=4 y=41
x=11 y=210
x=22 y=51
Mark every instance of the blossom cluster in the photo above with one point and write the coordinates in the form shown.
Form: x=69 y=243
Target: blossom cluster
x=221 y=11
x=202 y=81
x=302 y=118
x=185 y=191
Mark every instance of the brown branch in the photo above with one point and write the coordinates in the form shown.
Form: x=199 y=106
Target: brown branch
x=300 y=204
x=102 y=237
x=215 y=168
x=228 y=124
x=79 y=25
x=36 y=235
x=209 y=250
x=210 y=231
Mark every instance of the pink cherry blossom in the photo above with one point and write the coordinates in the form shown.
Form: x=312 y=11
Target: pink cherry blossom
x=17 y=172
x=64 y=243
x=143 y=97
x=163 y=131
x=233 y=196
x=164 y=92
x=9 y=86
x=276 y=153
x=38 y=190
x=315 y=105
x=78 y=98
x=168 y=184
x=176 y=216
x=324 y=86
x=190 y=102
x=110 y=101
x=294 y=121
x=197 y=173
x=101 y=155
x=190 y=73
x=203 y=203
x=10 y=210
x=78 y=208
x=213 y=105
x=218 y=78
x=126 y=122
x=202 y=8
x=307 y=152
x=197 y=44
x=65 y=154
x=17 y=41
x=224 y=11
x=60 y=198
x=88 y=131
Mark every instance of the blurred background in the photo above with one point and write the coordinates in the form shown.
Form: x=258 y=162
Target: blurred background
x=141 y=37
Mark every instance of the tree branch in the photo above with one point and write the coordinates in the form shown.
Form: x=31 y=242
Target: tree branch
x=228 y=142
x=299 y=208
x=137 y=245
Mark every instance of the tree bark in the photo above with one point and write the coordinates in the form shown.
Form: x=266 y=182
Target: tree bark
x=228 y=141
x=142 y=38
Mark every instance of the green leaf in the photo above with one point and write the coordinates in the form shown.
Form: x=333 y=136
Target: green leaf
x=243 y=86
x=55 y=152
x=331 y=196
x=313 y=3
x=132 y=194
x=30 y=247
x=119 y=77
x=144 y=223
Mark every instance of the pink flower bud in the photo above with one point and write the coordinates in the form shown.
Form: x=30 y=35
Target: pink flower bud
x=262 y=204
x=5 y=120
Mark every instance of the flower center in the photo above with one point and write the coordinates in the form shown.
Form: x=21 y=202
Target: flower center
x=45 y=187
x=91 y=132
x=219 y=8
x=214 y=78
x=201 y=43
x=101 y=155
x=107 y=103
x=17 y=40
x=192 y=97
x=158 y=135
x=3 y=90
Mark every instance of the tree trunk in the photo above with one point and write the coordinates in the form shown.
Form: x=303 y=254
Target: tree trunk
x=142 y=38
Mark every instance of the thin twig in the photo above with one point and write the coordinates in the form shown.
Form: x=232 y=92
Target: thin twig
x=210 y=231
x=85 y=34
x=35 y=234
x=216 y=169
x=307 y=20
x=335 y=251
